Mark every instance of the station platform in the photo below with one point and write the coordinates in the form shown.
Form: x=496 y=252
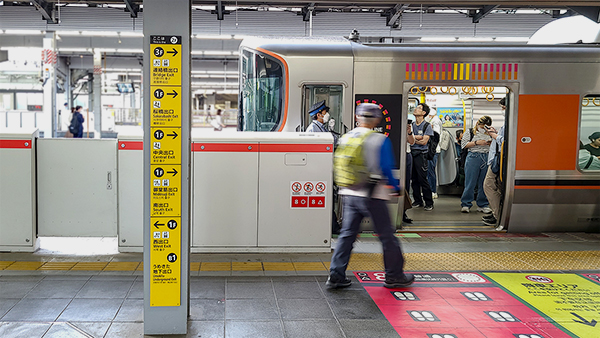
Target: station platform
x=467 y=285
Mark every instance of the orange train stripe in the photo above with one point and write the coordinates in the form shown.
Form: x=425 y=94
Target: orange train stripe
x=287 y=87
x=556 y=187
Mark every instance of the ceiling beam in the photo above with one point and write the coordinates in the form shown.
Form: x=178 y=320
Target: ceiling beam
x=393 y=16
x=132 y=8
x=483 y=11
x=45 y=9
x=592 y=13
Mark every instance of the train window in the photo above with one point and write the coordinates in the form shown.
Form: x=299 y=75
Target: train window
x=261 y=92
x=589 y=134
x=332 y=95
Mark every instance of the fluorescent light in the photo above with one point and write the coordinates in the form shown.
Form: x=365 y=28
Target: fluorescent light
x=22 y=32
x=130 y=51
x=131 y=34
x=512 y=39
x=475 y=39
x=213 y=37
x=217 y=52
x=99 y=33
x=105 y=50
x=68 y=33
x=438 y=39
x=75 y=50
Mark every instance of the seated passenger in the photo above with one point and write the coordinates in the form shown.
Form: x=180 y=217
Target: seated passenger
x=594 y=146
x=477 y=142
x=586 y=160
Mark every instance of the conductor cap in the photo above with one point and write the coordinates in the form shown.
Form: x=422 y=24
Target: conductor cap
x=317 y=107
x=368 y=110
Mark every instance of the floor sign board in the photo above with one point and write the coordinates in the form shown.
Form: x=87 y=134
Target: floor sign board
x=491 y=305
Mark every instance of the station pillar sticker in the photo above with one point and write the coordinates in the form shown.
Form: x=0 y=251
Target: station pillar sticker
x=165 y=170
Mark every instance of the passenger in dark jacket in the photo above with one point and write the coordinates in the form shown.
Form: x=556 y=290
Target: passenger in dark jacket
x=77 y=121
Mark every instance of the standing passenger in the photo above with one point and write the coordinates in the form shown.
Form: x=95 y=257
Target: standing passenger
x=76 y=126
x=477 y=143
x=594 y=146
x=436 y=125
x=410 y=138
x=419 y=156
x=368 y=200
x=491 y=184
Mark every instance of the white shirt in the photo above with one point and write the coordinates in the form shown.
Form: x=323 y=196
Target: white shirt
x=436 y=125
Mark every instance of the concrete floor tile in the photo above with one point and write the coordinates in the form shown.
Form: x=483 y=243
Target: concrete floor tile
x=24 y=276
x=360 y=328
x=210 y=288
x=207 y=309
x=297 y=290
x=6 y=304
x=18 y=330
x=253 y=329
x=56 y=289
x=136 y=291
x=36 y=310
x=250 y=309
x=312 y=329
x=129 y=330
x=247 y=290
x=355 y=309
x=64 y=330
x=132 y=310
x=206 y=329
x=113 y=278
x=104 y=289
x=91 y=310
x=298 y=309
x=16 y=289
x=92 y=329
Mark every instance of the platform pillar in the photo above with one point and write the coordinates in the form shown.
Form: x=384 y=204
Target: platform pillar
x=166 y=111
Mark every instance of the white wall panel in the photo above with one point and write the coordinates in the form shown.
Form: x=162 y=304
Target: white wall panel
x=75 y=197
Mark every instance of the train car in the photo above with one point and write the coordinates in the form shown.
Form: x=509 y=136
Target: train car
x=553 y=109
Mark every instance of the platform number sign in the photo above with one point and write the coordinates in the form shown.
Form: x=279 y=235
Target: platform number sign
x=165 y=166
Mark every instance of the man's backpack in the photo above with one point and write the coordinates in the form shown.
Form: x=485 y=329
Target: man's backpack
x=349 y=167
x=74 y=126
x=433 y=142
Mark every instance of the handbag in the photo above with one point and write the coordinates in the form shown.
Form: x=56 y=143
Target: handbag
x=495 y=166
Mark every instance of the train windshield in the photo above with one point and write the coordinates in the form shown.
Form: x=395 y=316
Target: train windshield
x=261 y=92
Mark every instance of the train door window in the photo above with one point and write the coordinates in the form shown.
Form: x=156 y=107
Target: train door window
x=261 y=92
x=332 y=95
x=589 y=134
x=457 y=109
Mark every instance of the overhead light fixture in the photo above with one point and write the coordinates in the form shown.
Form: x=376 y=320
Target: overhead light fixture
x=99 y=33
x=512 y=39
x=438 y=39
x=132 y=34
x=475 y=39
x=22 y=32
x=213 y=37
x=75 y=50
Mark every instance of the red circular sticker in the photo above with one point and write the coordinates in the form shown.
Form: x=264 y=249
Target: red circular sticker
x=308 y=186
x=296 y=186
x=539 y=279
x=320 y=187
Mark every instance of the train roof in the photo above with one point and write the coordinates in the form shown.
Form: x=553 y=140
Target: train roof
x=306 y=46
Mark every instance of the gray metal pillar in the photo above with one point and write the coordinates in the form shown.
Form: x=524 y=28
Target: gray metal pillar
x=97 y=107
x=47 y=123
x=167 y=26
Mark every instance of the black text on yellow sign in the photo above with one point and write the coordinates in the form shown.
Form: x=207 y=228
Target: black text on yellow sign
x=165 y=257
x=166 y=146
x=165 y=195
x=166 y=106
x=166 y=60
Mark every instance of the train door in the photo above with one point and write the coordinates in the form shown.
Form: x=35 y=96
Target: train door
x=458 y=115
x=333 y=96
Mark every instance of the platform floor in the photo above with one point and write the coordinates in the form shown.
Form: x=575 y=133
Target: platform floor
x=468 y=285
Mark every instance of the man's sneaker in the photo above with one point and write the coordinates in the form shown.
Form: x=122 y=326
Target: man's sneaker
x=417 y=205
x=485 y=210
x=406 y=220
x=488 y=216
x=466 y=210
x=407 y=280
x=428 y=208
x=335 y=283
x=434 y=195
x=490 y=221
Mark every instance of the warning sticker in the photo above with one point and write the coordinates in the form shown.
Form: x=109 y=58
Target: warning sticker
x=308 y=194
x=166 y=146
x=571 y=301
x=165 y=197
x=165 y=256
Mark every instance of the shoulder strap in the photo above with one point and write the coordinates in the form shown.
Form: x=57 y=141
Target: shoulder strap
x=589 y=163
x=470 y=135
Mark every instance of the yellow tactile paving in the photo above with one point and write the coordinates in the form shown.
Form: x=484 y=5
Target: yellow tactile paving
x=246 y=266
x=215 y=266
x=90 y=266
x=278 y=266
x=475 y=260
x=60 y=266
x=140 y=267
x=121 y=266
x=309 y=266
x=195 y=266
x=5 y=264
x=24 y=266
x=507 y=261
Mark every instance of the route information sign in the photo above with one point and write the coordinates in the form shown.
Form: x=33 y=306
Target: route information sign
x=165 y=167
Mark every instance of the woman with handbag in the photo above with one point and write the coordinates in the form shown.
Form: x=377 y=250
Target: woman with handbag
x=477 y=142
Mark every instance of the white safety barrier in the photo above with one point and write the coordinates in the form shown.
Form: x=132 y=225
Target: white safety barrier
x=18 y=191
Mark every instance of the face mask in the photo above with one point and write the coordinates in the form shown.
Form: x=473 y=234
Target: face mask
x=326 y=117
x=503 y=112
